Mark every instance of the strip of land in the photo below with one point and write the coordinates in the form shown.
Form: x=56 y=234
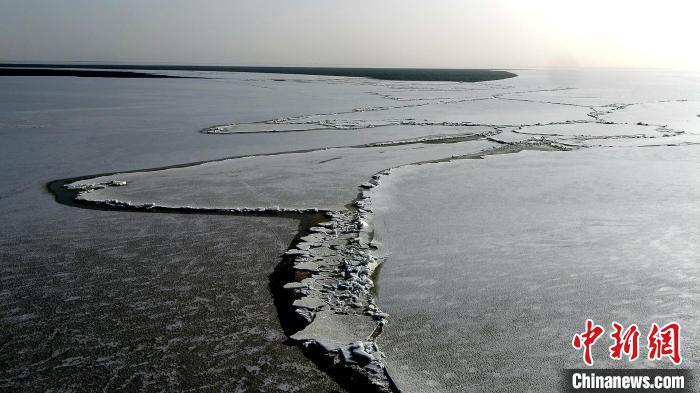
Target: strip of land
x=80 y=73
x=403 y=74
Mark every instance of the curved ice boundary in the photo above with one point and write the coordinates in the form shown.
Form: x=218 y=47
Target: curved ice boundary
x=333 y=294
x=329 y=291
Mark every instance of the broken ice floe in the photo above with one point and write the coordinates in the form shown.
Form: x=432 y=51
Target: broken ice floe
x=81 y=186
x=336 y=300
x=271 y=126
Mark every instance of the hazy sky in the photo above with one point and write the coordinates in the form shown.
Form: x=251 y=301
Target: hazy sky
x=407 y=33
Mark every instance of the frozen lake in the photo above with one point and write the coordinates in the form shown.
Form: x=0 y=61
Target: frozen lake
x=490 y=265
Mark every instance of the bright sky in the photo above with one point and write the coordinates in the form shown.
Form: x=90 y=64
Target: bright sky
x=404 y=33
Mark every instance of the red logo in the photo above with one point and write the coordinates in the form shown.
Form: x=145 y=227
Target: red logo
x=586 y=340
x=625 y=343
x=662 y=342
x=665 y=341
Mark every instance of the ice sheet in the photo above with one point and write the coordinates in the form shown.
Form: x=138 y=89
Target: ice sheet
x=593 y=130
x=494 y=264
x=324 y=179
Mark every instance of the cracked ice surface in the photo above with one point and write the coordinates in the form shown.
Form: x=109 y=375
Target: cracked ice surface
x=359 y=133
x=487 y=111
x=593 y=130
x=492 y=265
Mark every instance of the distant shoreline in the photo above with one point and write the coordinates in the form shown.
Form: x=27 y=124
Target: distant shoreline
x=399 y=74
x=80 y=73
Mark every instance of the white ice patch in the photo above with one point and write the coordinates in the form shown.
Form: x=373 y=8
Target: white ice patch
x=325 y=179
x=675 y=115
x=593 y=130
